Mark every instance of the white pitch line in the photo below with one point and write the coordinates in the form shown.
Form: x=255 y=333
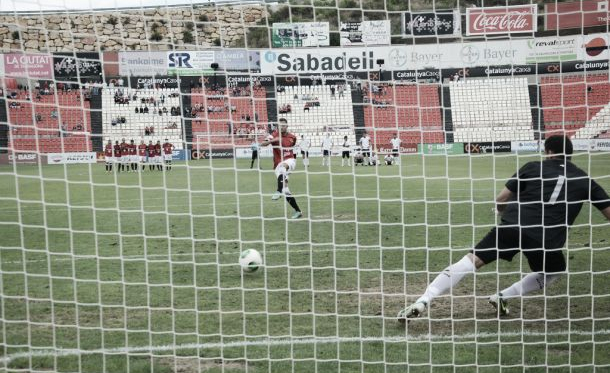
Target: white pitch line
x=235 y=253
x=292 y=342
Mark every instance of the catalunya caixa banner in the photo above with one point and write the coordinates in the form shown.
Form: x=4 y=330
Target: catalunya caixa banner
x=501 y=20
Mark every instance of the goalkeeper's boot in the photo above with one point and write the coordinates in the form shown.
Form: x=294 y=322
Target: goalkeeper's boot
x=500 y=304
x=276 y=196
x=297 y=214
x=413 y=311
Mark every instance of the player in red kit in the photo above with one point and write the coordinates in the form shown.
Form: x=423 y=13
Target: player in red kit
x=168 y=150
x=142 y=153
x=284 y=162
x=133 y=156
x=117 y=155
x=158 y=157
x=150 y=149
x=108 y=156
x=124 y=155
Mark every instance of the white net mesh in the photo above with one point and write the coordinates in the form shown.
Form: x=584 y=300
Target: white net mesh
x=118 y=258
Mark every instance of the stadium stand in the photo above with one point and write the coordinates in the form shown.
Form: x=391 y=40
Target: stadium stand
x=572 y=100
x=491 y=110
x=226 y=117
x=411 y=110
x=598 y=125
x=158 y=115
x=316 y=110
x=51 y=121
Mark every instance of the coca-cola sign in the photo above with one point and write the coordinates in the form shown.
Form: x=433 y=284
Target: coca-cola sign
x=501 y=20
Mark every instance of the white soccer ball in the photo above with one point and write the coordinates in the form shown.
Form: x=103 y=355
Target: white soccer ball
x=250 y=260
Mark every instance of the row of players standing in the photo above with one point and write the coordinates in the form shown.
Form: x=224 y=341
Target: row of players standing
x=363 y=154
x=127 y=156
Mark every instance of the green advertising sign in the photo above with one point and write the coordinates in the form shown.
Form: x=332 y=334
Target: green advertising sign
x=453 y=148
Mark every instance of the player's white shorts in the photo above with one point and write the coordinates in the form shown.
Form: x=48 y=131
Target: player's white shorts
x=109 y=159
x=158 y=159
x=167 y=157
x=124 y=159
x=134 y=158
x=292 y=164
x=142 y=159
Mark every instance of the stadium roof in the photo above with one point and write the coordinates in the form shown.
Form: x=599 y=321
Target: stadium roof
x=61 y=6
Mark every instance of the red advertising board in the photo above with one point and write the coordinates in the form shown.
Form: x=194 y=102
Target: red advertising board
x=577 y=14
x=501 y=20
x=35 y=66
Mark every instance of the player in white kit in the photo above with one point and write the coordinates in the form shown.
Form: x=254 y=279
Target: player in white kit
x=327 y=146
x=365 y=145
x=396 y=148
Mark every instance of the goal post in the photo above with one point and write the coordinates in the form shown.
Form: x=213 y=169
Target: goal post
x=107 y=266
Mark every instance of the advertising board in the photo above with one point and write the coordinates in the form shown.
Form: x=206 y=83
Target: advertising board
x=365 y=33
x=300 y=34
x=71 y=158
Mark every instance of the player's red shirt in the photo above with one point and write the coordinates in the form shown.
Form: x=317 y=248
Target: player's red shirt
x=108 y=150
x=167 y=148
x=142 y=150
x=133 y=149
x=151 y=150
x=284 y=148
x=157 y=149
x=117 y=150
x=124 y=148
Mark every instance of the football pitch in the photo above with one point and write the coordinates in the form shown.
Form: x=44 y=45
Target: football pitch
x=139 y=272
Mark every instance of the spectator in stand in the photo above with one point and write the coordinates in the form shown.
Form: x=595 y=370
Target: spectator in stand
x=145 y=109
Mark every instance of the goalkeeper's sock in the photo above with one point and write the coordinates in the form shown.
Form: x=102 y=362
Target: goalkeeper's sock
x=531 y=282
x=447 y=279
x=293 y=203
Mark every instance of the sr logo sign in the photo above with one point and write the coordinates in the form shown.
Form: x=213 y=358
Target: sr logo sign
x=180 y=59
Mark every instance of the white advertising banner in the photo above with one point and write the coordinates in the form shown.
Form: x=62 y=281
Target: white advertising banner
x=189 y=62
x=365 y=33
x=584 y=145
x=142 y=63
x=71 y=158
x=527 y=146
x=301 y=34
x=434 y=56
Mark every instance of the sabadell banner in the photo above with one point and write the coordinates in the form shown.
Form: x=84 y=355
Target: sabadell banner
x=435 y=56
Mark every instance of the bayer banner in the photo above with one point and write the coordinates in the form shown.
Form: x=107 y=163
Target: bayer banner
x=365 y=33
x=302 y=34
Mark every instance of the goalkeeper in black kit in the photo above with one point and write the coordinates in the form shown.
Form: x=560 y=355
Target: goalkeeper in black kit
x=537 y=206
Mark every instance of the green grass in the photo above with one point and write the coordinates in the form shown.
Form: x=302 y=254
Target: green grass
x=102 y=263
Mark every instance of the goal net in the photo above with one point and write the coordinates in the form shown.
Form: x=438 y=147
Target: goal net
x=129 y=184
